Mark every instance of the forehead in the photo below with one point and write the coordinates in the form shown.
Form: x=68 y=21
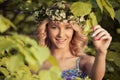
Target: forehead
x=65 y=22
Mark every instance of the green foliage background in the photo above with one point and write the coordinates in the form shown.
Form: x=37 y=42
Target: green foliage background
x=19 y=52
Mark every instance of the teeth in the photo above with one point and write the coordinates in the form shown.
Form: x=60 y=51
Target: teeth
x=60 y=40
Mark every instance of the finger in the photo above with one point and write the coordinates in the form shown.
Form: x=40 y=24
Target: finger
x=75 y=26
x=97 y=31
x=102 y=33
x=96 y=27
x=45 y=21
x=106 y=37
x=99 y=35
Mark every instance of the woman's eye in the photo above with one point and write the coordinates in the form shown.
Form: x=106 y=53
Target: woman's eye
x=68 y=27
x=53 y=27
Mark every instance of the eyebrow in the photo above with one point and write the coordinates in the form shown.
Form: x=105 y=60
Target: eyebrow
x=68 y=25
x=56 y=24
x=52 y=24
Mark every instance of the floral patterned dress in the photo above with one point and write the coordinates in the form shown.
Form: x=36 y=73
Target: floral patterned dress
x=74 y=74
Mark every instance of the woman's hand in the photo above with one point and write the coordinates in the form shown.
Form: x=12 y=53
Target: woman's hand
x=101 y=39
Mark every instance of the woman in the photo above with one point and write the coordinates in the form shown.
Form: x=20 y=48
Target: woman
x=66 y=41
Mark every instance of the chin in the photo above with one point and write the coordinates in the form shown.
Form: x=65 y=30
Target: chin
x=60 y=46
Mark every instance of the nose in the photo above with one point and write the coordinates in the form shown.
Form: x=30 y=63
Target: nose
x=61 y=33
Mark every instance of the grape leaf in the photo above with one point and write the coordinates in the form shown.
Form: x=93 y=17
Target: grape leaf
x=14 y=62
x=93 y=19
x=81 y=8
x=4 y=71
x=100 y=5
x=87 y=27
x=109 y=8
x=6 y=44
x=5 y=24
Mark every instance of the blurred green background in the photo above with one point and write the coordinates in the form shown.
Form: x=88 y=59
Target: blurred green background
x=17 y=18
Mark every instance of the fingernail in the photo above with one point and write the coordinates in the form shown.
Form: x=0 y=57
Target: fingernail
x=98 y=39
x=92 y=35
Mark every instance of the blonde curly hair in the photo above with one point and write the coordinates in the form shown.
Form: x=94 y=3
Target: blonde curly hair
x=77 y=44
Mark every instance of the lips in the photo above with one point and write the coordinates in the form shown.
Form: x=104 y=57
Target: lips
x=60 y=40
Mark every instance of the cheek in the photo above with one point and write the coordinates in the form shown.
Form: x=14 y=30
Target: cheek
x=52 y=34
x=70 y=33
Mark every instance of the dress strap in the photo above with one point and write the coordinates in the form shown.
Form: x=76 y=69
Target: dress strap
x=78 y=64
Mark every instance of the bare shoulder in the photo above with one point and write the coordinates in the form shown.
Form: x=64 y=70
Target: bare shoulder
x=87 y=58
x=87 y=62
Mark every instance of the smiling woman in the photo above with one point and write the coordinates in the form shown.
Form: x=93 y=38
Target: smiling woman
x=60 y=34
x=63 y=34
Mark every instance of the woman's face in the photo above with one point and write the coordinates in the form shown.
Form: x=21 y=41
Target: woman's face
x=60 y=34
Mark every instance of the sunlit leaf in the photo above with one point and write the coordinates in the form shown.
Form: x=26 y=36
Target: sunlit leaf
x=14 y=62
x=87 y=27
x=80 y=8
x=6 y=44
x=30 y=59
x=4 y=71
x=93 y=19
x=25 y=39
x=5 y=24
x=45 y=75
x=56 y=70
x=53 y=61
x=25 y=51
x=40 y=53
x=109 y=8
x=34 y=54
x=52 y=74
x=100 y=5
x=23 y=73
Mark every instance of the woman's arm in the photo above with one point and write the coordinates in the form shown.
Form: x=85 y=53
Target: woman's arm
x=96 y=66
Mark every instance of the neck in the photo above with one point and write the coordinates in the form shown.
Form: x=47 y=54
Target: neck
x=61 y=53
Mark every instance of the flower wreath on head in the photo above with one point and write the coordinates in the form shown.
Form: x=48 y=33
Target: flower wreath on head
x=59 y=11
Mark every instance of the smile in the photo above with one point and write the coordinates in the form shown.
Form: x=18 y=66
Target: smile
x=60 y=40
